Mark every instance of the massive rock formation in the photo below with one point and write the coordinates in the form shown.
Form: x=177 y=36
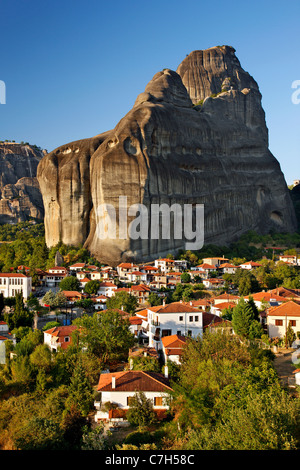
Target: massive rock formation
x=20 y=196
x=194 y=136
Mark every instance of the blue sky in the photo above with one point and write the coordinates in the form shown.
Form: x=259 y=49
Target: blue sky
x=73 y=68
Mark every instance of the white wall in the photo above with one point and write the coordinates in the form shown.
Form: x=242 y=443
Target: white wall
x=121 y=398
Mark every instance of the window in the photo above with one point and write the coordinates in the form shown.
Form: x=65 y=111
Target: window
x=191 y=318
x=196 y=318
x=166 y=333
x=158 y=401
x=278 y=322
x=292 y=322
x=178 y=333
x=67 y=339
x=180 y=318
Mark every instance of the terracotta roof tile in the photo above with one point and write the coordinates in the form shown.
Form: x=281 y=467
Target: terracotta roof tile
x=290 y=309
x=134 y=381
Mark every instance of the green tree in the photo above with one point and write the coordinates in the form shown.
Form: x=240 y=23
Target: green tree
x=185 y=278
x=80 y=392
x=122 y=299
x=20 y=315
x=92 y=287
x=105 y=335
x=289 y=336
x=154 y=299
x=70 y=283
x=242 y=318
x=49 y=299
x=140 y=411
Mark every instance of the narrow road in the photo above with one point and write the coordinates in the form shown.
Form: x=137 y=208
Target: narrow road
x=284 y=366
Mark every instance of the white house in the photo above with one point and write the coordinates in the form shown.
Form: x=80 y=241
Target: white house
x=77 y=267
x=171 y=319
x=59 y=337
x=55 y=275
x=262 y=298
x=172 y=347
x=120 y=387
x=227 y=268
x=13 y=283
x=108 y=289
x=289 y=259
x=279 y=318
x=124 y=268
x=165 y=265
x=250 y=265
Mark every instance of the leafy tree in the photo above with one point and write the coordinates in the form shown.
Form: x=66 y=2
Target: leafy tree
x=289 y=336
x=146 y=363
x=60 y=300
x=70 y=283
x=94 y=439
x=73 y=424
x=39 y=434
x=41 y=357
x=20 y=316
x=80 y=392
x=49 y=299
x=154 y=299
x=122 y=299
x=185 y=278
x=92 y=287
x=51 y=324
x=242 y=318
x=106 y=335
x=140 y=411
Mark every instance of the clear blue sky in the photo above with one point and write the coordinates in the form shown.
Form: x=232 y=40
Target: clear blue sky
x=73 y=68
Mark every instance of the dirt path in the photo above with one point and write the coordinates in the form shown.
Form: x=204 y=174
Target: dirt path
x=284 y=366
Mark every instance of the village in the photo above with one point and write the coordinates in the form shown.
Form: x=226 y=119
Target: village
x=161 y=326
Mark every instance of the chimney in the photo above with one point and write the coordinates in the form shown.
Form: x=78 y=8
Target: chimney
x=113 y=382
x=166 y=372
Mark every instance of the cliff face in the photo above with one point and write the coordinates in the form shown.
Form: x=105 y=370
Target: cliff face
x=195 y=136
x=20 y=196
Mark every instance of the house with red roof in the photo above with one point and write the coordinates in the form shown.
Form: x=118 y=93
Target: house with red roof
x=172 y=347
x=280 y=317
x=107 y=288
x=250 y=265
x=140 y=291
x=170 y=319
x=262 y=298
x=124 y=268
x=59 y=337
x=164 y=265
x=120 y=387
x=14 y=283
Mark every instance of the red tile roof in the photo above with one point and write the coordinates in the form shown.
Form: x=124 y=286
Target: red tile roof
x=289 y=309
x=12 y=275
x=209 y=319
x=174 y=307
x=132 y=381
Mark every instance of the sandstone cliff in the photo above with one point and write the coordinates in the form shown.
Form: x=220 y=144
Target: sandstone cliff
x=20 y=196
x=194 y=136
